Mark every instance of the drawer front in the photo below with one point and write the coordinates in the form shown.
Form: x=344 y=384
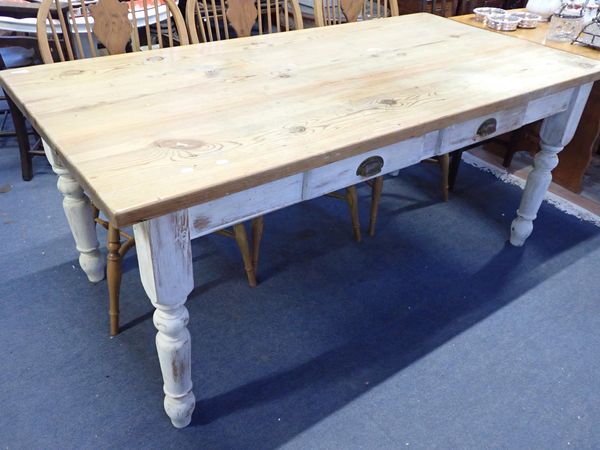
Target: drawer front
x=353 y=170
x=548 y=106
x=218 y=214
x=235 y=208
x=480 y=129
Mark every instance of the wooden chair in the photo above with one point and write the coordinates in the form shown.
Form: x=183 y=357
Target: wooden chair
x=214 y=20
x=445 y=8
x=333 y=12
x=16 y=52
x=108 y=27
x=111 y=24
x=207 y=22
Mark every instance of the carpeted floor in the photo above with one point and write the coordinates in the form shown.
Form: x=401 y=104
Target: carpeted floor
x=434 y=334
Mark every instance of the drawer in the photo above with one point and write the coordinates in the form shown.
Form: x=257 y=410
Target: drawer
x=220 y=213
x=353 y=170
x=548 y=106
x=480 y=129
x=485 y=127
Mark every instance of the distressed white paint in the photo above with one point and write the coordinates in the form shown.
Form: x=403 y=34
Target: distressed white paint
x=555 y=200
x=218 y=214
x=164 y=243
x=546 y=106
x=557 y=131
x=165 y=258
x=78 y=210
x=342 y=173
x=241 y=206
x=464 y=134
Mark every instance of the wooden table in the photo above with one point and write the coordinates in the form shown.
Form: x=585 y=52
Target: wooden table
x=180 y=142
x=576 y=157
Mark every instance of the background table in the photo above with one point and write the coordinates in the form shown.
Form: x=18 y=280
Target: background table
x=576 y=157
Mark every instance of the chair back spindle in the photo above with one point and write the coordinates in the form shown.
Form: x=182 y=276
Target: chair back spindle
x=334 y=12
x=215 y=20
x=75 y=31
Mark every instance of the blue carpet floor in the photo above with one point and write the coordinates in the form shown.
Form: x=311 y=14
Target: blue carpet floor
x=434 y=334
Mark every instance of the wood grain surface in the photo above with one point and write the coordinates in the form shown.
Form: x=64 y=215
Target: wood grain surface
x=151 y=133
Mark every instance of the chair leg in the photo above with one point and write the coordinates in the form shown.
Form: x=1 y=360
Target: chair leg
x=375 y=197
x=515 y=137
x=22 y=139
x=352 y=199
x=258 y=224
x=241 y=238
x=445 y=164
x=113 y=276
x=456 y=157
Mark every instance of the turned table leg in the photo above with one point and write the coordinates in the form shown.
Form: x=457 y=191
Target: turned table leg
x=80 y=216
x=557 y=131
x=165 y=259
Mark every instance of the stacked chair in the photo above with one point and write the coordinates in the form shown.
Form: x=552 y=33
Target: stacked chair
x=69 y=31
x=17 y=52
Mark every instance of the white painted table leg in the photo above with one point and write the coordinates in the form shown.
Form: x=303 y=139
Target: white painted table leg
x=557 y=131
x=78 y=210
x=164 y=252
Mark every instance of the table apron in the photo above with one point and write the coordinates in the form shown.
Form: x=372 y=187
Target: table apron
x=238 y=207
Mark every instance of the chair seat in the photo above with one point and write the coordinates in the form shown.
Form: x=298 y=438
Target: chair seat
x=17 y=57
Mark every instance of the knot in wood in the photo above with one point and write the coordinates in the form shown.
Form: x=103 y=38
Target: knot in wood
x=297 y=129
x=71 y=73
x=179 y=144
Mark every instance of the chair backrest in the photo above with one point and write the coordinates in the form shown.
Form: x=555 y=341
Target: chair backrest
x=214 y=20
x=332 y=12
x=76 y=32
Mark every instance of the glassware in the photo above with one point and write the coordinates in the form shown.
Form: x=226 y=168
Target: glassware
x=503 y=22
x=590 y=35
x=528 y=20
x=481 y=14
x=567 y=23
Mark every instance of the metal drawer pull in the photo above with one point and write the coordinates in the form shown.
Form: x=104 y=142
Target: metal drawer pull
x=487 y=127
x=370 y=166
